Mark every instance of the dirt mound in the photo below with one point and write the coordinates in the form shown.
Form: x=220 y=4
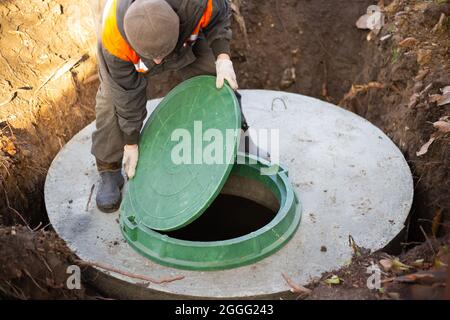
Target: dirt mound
x=34 y=265
x=410 y=67
x=47 y=90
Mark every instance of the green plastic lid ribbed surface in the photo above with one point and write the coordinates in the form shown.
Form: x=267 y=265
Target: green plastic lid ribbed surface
x=175 y=180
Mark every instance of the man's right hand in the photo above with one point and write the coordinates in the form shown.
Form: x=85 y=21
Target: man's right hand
x=130 y=159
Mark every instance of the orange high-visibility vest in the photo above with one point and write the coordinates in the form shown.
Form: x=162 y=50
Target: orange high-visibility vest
x=116 y=45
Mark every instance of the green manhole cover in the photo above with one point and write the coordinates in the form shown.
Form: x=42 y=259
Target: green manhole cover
x=178 y=177
x=230 y=253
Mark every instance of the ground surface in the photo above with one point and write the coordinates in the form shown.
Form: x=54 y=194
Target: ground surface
x=48 y=85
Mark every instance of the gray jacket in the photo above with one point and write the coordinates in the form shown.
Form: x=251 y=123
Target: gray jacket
x=127 y=88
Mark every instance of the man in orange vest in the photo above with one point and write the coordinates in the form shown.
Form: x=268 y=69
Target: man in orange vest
x=141 y=38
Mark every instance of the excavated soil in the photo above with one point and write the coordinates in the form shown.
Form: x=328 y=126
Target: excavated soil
x=47 y=94
x=34 y=265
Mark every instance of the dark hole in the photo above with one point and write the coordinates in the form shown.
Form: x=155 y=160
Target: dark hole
x=228 y=217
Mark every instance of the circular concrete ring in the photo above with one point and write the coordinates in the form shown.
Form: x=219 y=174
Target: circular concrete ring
x=350 y=178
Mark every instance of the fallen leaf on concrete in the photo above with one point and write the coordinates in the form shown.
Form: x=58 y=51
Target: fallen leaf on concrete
x=408 y=42
x=333 y=280
x=424 y=149
x=423 y=56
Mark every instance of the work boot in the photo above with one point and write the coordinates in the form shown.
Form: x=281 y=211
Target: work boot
x=109 y=193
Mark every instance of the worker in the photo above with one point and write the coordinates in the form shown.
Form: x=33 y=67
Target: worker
x=139 y=39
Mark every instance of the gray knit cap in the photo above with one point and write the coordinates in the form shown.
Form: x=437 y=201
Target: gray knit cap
x=152 y=28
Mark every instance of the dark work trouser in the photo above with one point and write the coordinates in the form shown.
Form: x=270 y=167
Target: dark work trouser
x=107 y=140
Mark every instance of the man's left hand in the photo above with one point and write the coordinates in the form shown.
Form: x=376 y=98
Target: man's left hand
x=225 y=71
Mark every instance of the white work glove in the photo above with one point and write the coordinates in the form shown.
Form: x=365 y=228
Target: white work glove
x=225 y=71
x=130 y=159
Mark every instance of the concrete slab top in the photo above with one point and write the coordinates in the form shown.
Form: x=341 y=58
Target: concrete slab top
x=350 y=177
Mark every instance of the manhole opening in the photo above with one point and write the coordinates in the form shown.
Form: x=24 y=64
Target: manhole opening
x=243 y=207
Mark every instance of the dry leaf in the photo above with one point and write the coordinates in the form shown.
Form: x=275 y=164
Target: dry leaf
x=386 y=264
x=399 y=266
x=445 y=97
x=333 y=280
x=361 y=23
x=355 y=247
x=423 y=56
x=434 y=98
x=373 y=20
x=408 y=42
x=7 y=146
x=442 y=126
x=418 y=263
x=446 y=90
x=424 y=149
x=438 y=264
x=413 y=100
